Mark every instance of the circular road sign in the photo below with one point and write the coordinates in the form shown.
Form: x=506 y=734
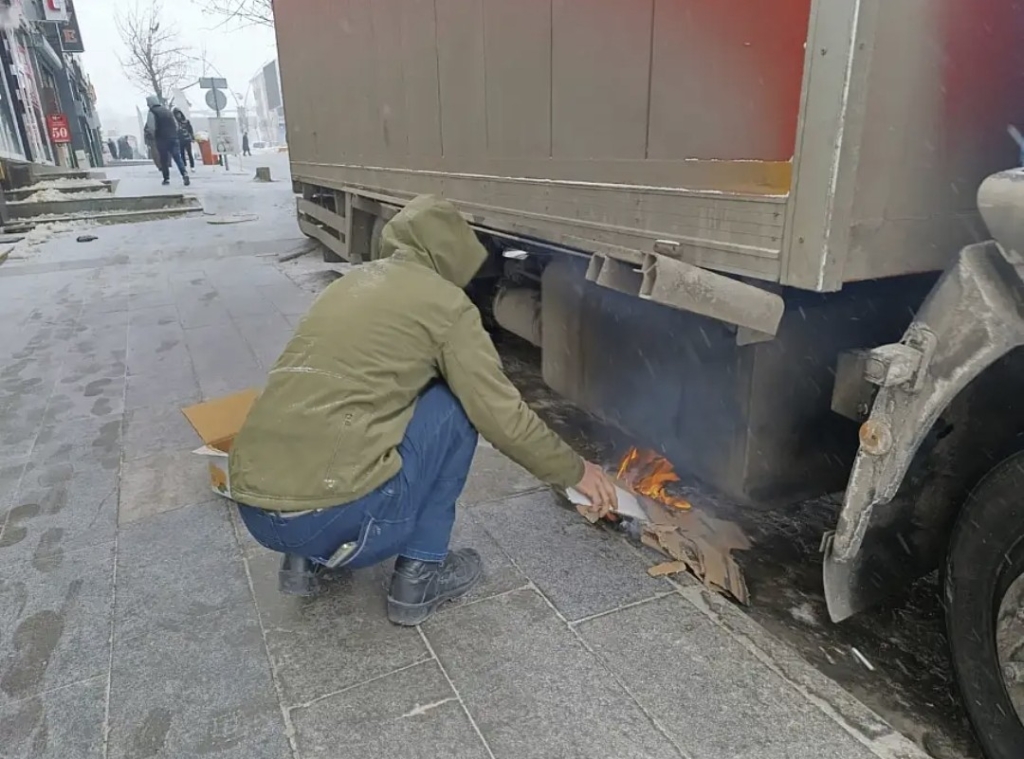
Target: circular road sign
x=216 y=100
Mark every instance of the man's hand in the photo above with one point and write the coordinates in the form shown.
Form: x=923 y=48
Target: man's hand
x=598 y=487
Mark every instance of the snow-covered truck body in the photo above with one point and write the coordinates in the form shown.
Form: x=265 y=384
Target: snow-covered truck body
x=708 y=166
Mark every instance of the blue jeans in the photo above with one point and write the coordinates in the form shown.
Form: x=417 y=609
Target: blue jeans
x=410 y=515
x=169 y=150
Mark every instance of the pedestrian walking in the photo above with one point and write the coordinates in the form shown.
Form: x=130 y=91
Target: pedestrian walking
x=112 y=147
x=245 y=144
x=186 y=136
x=361 y=441
x=124 y=148
x=162 y=133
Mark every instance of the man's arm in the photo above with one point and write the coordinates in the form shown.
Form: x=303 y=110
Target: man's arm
x=150 y=129
x=470 y=365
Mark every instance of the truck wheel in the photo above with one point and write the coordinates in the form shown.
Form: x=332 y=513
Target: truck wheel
x=375 y=234
x=984 y=586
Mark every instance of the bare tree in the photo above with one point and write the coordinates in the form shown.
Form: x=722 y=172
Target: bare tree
x=155 y=59
x=260 y=12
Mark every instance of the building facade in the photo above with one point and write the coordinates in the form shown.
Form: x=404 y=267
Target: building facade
x=268 y=117
x=43 y=82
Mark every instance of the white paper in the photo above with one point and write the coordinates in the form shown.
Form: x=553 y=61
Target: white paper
x=628 y=506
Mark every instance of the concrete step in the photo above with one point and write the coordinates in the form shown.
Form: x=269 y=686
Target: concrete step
x=40 y=173
x=132 y=162
x=93 y=206
x=15 y=196
x=112 y=217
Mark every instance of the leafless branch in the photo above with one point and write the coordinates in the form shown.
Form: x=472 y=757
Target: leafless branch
x=154 y=59
x=246 y=12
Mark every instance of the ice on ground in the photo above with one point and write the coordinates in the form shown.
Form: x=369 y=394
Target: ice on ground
x=804 y=613
x=77 y=184
x=52 y=194
x=45 y=232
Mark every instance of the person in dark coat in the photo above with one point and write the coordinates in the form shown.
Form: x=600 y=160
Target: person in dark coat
x=245 y=144
x=124 y=149
x=186 y=136
x=162 y=132
x=112 y=147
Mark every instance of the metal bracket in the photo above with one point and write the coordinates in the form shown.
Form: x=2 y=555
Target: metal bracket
x=678 y=284
x=614 y=274
x=755 y=312
x=903 y=364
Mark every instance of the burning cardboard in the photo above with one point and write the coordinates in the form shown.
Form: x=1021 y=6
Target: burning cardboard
x=691 y=537
x=703 y=542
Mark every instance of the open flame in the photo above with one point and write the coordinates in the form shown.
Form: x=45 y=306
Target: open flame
x=648 y=473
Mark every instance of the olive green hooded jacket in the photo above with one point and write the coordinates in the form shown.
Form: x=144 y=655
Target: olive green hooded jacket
x=326 y=428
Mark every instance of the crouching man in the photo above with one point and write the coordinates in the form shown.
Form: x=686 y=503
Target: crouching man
x=360 y=444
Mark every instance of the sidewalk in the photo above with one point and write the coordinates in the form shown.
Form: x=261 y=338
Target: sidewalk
x=138 y=620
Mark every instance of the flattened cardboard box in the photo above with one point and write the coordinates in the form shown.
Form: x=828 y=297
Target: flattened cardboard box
x=217 y=422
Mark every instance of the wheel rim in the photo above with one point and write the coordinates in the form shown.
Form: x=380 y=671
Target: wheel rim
x=1010 y=643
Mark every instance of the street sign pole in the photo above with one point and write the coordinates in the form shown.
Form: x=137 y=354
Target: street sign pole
x=217 y=101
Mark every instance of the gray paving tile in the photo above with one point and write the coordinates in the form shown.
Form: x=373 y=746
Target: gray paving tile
x=151 y=299
x=533 y=689
x=93 y=398
x=46 y=522
x=175 y=566
x=196 y=688
x=162 y=482
x=493 y=476
x=412 y=714
x=54 y=621
x=151 y=340
x=233 y=379
x=583 y=569
x=89 y=437
x=247 y=301
x=79 y=370
x=172 y=387
x=332 y=641
x=217 y=348
x=18 y=438
x=157 y=429
x=267 y=335
x=169 y=355
x=57 y=724
x=713 y=697
x=10 y=478
x=202 y=311
x=288 y=297
x=792 y=666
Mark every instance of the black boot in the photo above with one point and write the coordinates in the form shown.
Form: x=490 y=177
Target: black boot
x=419 y=587
x=298 y=576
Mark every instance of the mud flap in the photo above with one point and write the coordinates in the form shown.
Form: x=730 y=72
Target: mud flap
x=971 y=318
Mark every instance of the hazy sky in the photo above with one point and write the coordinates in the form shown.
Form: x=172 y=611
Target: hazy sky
x=238 y=52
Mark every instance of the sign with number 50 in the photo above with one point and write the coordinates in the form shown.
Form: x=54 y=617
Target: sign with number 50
x=60 y=132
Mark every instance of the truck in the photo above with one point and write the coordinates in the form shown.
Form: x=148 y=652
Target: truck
x=783 y=239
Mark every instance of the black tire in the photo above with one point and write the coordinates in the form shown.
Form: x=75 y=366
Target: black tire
x=986 y=555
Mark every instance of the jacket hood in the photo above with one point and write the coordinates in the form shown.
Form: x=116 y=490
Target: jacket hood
x=152 y=100
x=431 y=232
